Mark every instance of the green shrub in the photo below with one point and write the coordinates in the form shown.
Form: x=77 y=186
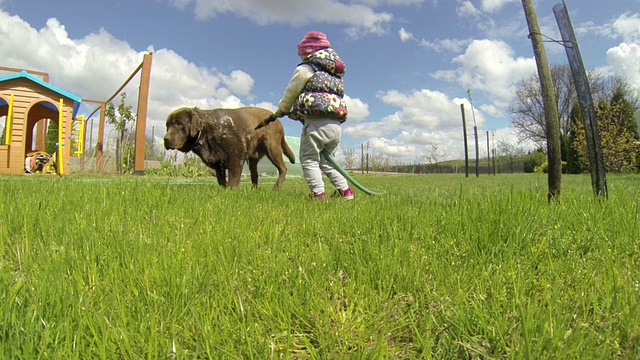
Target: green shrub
x=533 y=160
x=544 y=168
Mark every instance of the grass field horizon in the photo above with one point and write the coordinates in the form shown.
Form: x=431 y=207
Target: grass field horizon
x=441 y=266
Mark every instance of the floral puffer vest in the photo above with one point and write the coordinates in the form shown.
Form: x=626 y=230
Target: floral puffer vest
x=322 y=96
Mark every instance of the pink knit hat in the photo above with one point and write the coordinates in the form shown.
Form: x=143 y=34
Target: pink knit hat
x=312 y=42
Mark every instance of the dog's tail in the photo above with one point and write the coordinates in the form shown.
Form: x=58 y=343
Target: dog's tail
x=287 y=151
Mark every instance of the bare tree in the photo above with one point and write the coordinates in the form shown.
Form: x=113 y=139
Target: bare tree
x=526 y=108
x=511 y=152
x=434 y=155
x=396 y=163
x=378 y=162
x=350 y=156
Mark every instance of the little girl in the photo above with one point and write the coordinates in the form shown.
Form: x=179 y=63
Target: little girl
x=315 y=97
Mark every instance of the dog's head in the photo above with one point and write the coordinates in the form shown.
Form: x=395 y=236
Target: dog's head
x=183 y=129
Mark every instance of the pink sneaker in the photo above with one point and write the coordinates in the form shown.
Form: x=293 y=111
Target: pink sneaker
x=346 y=194
x=319 y=196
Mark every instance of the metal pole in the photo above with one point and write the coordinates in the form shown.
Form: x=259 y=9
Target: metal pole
x=493 y=150
x=362 y=158
x=475 y=136
x=367 y=157
x=466 y=146
x=585 y=100
x=488 y=156
x=475 y=133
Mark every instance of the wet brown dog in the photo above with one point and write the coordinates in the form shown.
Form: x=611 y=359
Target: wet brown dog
x=225 y=138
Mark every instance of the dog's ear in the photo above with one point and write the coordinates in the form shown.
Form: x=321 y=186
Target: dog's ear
x=196 y=122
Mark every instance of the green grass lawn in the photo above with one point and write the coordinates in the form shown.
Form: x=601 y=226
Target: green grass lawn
x=441 y=266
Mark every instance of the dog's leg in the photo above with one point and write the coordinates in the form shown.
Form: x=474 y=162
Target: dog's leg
x=235 y=173
x=221 y=175
x=282 y=173
x=253 y=169
x=278 y=162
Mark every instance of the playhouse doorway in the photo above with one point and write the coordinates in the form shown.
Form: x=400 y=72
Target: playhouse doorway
x=41 y=117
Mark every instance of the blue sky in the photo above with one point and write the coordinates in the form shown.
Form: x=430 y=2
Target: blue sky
x=409 y=62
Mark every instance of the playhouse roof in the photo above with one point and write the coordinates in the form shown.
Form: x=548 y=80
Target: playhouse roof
x=23 y=74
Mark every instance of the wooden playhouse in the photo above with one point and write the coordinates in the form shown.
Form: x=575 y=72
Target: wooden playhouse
x=29 y=105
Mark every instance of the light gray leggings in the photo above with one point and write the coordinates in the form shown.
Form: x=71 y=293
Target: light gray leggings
x=317 y=135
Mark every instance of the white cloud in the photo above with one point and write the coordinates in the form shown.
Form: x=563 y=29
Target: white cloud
x=494 y=5
x=424 y=118
x=628 y=27
x=239 y=82
x=446 y=45
x=625 y=59
x=467 y=9
x=425 y=109
x=492 y=110
x=427 y=117
x=89 y=66
x=446 y=75
x=490 y=66
x=95 y=66
x=359 y=19
x=405 y=35
x=372 y=128
x=387 y=2
x=625 y=27
x=438 y=45
x=393 y=148
x=358 y=109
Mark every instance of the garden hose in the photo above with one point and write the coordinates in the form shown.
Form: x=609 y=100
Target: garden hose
x=344 y=173
x=330 y=159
